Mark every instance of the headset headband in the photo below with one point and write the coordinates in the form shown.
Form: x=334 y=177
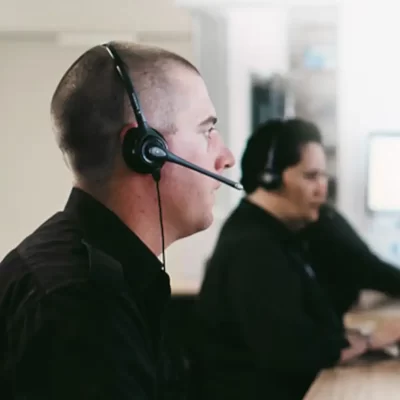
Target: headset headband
x=127 y=81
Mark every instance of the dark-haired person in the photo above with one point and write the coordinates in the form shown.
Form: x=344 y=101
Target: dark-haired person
x=265 y=326
x=82 y=298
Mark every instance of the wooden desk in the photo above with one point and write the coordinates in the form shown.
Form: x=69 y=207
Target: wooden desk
x=363 y=382
x=379 y=380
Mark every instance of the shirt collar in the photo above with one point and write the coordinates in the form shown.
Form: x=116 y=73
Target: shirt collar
x=271 y=226
x=104 y=230
x=265 y=220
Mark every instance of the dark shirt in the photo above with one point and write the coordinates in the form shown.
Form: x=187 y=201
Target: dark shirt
x=264 y=327
x=344 y=264
x=82 y=301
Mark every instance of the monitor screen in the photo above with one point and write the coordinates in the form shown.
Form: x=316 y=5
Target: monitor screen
x=383 y=181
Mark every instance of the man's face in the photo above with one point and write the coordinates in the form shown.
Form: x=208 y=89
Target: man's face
x=305 y=184
x=188 y=197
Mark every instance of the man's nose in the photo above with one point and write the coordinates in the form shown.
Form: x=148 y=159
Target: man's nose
x=322 y=188
x=225 y=160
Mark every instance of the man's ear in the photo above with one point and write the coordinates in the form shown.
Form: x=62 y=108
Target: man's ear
x=284 y=180
x=126 y=129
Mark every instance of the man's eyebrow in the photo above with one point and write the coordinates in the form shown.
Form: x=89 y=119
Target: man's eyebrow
x=211 y=120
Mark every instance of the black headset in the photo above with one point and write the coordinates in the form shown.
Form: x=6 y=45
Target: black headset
x=270 y=178
x=143 y=148
x=138 y=140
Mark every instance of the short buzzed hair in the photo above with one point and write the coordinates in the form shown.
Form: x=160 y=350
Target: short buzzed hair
x=90 y=106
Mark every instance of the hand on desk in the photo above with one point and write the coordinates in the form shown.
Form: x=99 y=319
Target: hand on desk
x=358 y=346
x=385 y=334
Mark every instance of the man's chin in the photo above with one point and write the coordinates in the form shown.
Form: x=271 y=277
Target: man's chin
x=201 y=226
x=207 y=222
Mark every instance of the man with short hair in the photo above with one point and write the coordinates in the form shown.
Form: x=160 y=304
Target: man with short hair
x=82 y=298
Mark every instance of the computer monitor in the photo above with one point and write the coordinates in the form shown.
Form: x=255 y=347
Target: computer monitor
x=383 y=177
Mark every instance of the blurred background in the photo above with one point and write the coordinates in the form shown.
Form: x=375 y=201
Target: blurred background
x=333 y=62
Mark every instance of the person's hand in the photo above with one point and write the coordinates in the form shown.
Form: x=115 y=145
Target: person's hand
x=385 y=334
x=358 y=346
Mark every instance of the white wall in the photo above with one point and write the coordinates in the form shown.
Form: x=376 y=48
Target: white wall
x=369 y=84
x=257 y=43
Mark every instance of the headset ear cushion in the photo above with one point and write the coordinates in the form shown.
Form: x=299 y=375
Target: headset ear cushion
x=270 y=180
x=134 y=148
x=129 y=145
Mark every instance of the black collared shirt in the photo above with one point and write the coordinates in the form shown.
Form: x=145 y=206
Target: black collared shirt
x=264 y=327
x=82 y=301
x=343 y=262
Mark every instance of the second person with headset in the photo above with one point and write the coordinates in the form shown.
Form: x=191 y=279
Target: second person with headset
x=264 y=326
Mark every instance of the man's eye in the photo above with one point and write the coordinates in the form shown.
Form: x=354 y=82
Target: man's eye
x=311 y=175
x=315 y=175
